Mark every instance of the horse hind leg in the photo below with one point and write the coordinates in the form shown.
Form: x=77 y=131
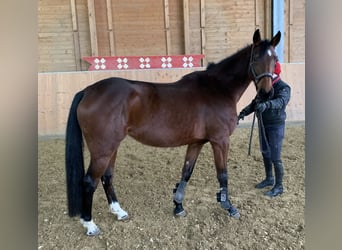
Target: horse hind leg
x=90 y=181
x=89 y=187
x=107 y=183
x=192 y=153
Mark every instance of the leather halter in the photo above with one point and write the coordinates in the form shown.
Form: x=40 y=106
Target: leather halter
x=256 y=77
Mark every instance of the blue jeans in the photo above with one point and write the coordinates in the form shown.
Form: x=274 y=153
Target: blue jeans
x=274 y=137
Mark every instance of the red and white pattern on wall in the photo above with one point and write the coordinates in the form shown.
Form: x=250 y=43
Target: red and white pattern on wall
x=142 y=62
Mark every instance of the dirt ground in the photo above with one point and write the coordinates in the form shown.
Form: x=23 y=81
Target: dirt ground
x=144 y=180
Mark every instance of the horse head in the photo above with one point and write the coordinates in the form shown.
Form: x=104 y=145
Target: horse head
x=262 y=62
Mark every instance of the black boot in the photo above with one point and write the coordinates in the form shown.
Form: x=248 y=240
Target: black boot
x=278 y=187
x=269 y=181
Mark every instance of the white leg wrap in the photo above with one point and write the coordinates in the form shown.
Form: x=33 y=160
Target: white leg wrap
x=91 y=227
x=116 y=209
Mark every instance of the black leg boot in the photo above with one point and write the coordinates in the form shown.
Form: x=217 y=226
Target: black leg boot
x=278 y=187
x=269 y=181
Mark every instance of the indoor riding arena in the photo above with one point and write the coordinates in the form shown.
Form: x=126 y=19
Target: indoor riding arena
x=160 y=41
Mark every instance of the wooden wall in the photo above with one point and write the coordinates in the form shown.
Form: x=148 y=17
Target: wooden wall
x=294 y=31
x=229 y=25
x=63 y=35
x=71 y=29
x=56 y=90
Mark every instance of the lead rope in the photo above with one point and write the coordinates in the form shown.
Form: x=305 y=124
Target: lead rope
x=262 y=134
x=251 y=136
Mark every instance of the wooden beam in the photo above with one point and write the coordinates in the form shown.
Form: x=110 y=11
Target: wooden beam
x=77 y=49
x=290 y=30
x=203 y=41
x=186 y=26
x=92 y=28
x=73 y=15
x=167 y=27
x=268 y=18
x=291 y=12
x=110 y=27
x=256 y=13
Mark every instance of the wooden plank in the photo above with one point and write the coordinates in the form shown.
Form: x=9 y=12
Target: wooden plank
x=167 y=26
x=77 y=49
x=73 y=15
x=228 y=25
x=268 y=18
x=297 y=29
x=186 y=26
x=202 y=13
x=290 y=12
x=92 y=28
x=110 y=27
x=256 y=12
x=176 y=27
x=103 y=40
x=260 y=16
x=202 y=25
x=139 y=28
x=290 y=30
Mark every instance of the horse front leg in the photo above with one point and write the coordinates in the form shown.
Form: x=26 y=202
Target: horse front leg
x=191 y=156
x=220 y=157
x=107 y=183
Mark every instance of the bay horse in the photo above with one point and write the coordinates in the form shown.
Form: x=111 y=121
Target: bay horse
x=198 y=108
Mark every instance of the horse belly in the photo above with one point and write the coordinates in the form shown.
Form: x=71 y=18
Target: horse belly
x=161 y=135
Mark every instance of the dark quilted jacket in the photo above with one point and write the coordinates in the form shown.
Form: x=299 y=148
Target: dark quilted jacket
x=275 y=114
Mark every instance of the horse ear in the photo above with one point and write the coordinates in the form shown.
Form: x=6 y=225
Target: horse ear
x=275 y=40
x=256 y=37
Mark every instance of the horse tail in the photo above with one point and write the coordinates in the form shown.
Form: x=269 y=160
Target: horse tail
x=74 y=163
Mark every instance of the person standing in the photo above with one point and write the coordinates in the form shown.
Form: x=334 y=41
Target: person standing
x=271 y=113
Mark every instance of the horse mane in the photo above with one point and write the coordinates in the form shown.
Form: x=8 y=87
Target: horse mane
x=226 y=61
x=214 y=70
x=231 y=59
x=227 y=69
x=211 y=65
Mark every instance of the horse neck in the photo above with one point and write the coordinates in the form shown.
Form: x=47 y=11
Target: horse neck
x=235 y=71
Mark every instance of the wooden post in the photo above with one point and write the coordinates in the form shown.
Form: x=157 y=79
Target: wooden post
x=203 y=44
x=167 y=27
x=75 y=34
x=186 y=26
x=268 y=18
x=92 y=28
x=110 y=28
x=256 y=13
x=290 y=30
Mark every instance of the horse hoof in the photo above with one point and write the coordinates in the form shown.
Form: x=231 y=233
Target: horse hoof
x=94 y=232
x=92 y=229
x=178 y=211
x=123 y=218
x=180 y=214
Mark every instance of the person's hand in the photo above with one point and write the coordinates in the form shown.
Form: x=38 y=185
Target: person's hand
x=261 y=107
x=241 y=116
